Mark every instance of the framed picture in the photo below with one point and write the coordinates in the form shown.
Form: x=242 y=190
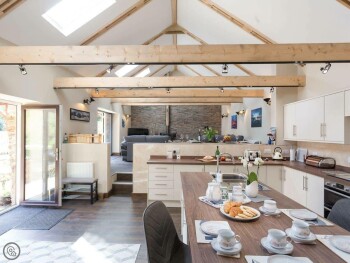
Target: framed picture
x=256 y=118
x=79 y=115
x=234 y=121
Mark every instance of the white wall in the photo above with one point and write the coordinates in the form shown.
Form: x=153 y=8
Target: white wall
x=244 y=122
x=118 y=131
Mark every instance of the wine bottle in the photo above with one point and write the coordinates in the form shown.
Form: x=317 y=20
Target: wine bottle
x=217 y=152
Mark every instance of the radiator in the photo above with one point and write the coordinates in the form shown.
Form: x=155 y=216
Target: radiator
x=80 y=170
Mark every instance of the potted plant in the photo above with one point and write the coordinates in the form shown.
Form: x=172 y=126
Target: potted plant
x=252 y=187
x=5 y=199
x=210 y=133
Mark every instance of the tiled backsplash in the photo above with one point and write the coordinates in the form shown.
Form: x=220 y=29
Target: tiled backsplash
x=339 y=152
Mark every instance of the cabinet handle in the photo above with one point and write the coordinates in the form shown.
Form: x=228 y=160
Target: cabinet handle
x=324 y=130
x=306 y=183
x=303 y=182
x=160 y=184
x=161 y=194
x=160 y=176
x=321 y=130
x=161 y=168
x=294 y=130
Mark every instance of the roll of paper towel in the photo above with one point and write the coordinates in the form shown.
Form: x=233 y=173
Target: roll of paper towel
x=292 y=154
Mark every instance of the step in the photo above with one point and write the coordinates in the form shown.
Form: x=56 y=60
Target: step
x=122 y=183
x=124 y=177
x=122 y=188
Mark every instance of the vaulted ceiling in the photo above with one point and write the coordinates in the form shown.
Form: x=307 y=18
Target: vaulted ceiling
x=129 y=22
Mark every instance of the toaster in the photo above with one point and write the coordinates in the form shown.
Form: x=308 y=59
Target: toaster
x=251 y=155
x=320 y=162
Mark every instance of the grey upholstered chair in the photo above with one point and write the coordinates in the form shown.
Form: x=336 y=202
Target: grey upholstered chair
x=340 y=213
x=163 y=243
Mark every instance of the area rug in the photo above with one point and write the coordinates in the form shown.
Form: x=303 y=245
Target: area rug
x=45 y=220
x=17 y=216
x=73 y=252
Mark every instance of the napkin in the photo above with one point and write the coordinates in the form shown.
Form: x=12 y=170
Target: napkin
x=263 y=259
x=318 y=222
x=201 y=236
x=324 y=239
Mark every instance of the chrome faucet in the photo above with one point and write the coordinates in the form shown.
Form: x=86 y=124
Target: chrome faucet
x=218 y=160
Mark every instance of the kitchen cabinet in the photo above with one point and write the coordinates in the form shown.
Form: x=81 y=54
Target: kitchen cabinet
x=177 y=177
x=347 y=103
x=274 y=177
x=289 y=122
x=304 y=188
x=319 y=119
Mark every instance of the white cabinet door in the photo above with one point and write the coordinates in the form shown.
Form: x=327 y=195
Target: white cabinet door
x=274 y=177
x=333 y=129
x=177 y=177
x=310 y=119
x=315 y=193
x=289 y=122
x=294 y=185
x=347 y=103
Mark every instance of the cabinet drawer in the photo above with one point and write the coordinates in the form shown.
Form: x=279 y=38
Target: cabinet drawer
x=161 y=184
x=160 y=194
x=161 y=176
x=162 y=168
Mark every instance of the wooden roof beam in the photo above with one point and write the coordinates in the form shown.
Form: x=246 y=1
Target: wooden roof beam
x=179 y=93
x=184 y=54
x=179 y=82
x=8 y=5
x=345 y=3
x=237 y=21
x=177 y=101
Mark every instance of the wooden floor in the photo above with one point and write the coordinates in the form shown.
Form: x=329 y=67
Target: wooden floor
x=117 y=219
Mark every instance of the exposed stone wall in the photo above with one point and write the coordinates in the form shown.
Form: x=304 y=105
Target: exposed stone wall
x=183 y=119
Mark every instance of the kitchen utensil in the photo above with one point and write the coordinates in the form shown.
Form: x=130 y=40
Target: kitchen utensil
x=270 y=206
x=300 y=229
x=267 y=213
x=301 y=154
x=251 y=155
x=321 y=162
x=212 y=227
x=227 y=239
x=341 y=242
x=292 y=154
x=283 y=251
x=235 y=250
x=277 y=153
x=213 y=192
x=309 y=240
x=277 y=238
x=303 y=214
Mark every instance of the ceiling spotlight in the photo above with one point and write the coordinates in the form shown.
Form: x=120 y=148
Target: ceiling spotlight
x=225 y=115
x=222 y=90
x=272 y=89
x=167 y=90
x=97 y=91
x=110 y=68
x=224 y=69
x=326 y=68
x=91 y=99
x=241 y=112
x=22 y=69
x=268 y=101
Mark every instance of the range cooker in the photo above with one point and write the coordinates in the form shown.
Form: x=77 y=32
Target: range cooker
x=334 y=191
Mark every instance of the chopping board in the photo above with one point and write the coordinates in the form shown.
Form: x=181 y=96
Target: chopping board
x=206 y=161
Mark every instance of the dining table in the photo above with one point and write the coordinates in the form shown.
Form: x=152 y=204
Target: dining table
x=194 y=185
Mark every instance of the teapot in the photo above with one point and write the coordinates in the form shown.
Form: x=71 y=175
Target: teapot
x=213 y=192
x=277 y=153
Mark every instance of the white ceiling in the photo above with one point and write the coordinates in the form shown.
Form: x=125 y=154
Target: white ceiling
x=284 y=21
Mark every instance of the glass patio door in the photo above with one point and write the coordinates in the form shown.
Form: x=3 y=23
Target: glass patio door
x=41 y=155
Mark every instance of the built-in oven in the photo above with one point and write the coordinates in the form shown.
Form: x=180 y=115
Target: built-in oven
x=332 y=193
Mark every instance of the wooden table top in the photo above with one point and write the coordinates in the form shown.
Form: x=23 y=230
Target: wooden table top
x=195 y=185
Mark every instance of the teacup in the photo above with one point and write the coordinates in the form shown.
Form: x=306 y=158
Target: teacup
x=278 y=238
x=270 y=206
x=227 y=239
x=300 y=229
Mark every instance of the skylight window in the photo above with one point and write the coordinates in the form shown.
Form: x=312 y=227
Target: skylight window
x=143 y=73
x=125 y=70
x=69 y=15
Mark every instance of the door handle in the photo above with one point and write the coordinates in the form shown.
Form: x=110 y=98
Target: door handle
x=56 y=154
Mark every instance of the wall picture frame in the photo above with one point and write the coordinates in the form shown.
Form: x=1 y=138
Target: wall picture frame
x=234 y=121
x=79 y=115
x=256 y=118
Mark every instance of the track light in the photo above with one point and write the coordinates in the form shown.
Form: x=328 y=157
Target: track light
x=88 y=101
x=167 y=90
x=91 y=99
x=225 y=115
x=272 y=89
x=241 y=112
x=268 y=101
x=326 y=68
x=22 y=69
x=97 y=91
x=222 y=90
x=110 y=68
x=224 y=69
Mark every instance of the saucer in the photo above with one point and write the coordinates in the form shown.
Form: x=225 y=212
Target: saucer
x=309 y=239
x=233 y=251
x=282 y=251
x=263 y=210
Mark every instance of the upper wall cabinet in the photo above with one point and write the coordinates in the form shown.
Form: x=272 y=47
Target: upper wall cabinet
x=347 y=103
x=320 y=119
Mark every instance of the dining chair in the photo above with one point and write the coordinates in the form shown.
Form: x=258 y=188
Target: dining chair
x=340 y=213
x=163 y=243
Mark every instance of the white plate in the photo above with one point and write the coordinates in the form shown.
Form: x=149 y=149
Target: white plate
x=263 y=210
x=303 y=214
x=212 y=227
x=282 y=251
x=241 y=219
x=283 y=259
x=341 y=242
x=310 y=239
x=233 y=251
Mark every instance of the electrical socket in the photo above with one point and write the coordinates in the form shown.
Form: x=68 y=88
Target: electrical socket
x=267 y=151
x=285 y=151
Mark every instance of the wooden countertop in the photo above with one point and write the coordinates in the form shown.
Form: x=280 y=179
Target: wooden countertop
x=195 y=184
x=193 y=160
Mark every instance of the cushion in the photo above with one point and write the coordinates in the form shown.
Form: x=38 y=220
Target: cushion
x=135 y=138
x=157 y=138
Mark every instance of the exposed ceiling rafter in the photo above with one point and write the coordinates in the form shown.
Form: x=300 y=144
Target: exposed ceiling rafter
x=237 y=21
x=191 y=69
x=8 y=5
x=179 y=82
x=345 y=3
x=176 y=101
x=131 y=10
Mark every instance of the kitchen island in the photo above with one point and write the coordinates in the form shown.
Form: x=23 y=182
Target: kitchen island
x=195 y=184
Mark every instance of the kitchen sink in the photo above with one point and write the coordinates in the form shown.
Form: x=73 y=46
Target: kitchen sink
x=231 y=179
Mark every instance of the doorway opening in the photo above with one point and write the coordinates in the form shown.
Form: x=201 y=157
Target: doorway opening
x=104 y=126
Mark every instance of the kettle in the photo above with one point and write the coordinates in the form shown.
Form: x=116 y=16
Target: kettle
x=213 y=192
x=277 y=153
